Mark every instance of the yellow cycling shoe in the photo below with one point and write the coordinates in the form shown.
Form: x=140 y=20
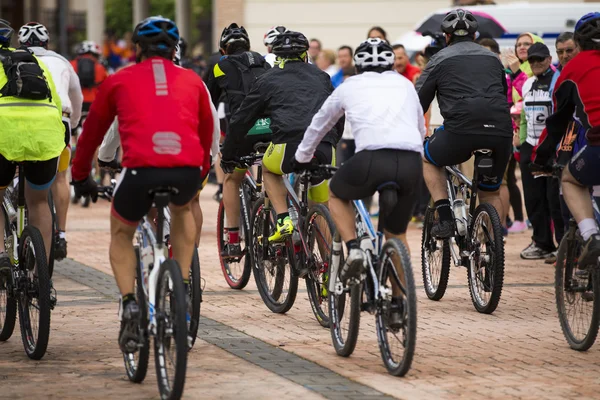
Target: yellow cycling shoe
x=283 y=231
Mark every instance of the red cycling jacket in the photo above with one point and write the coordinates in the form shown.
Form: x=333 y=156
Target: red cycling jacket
x=164 y=113
x=576 y=91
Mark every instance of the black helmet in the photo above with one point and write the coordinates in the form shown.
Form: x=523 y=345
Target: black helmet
x=289 y=44
x=156 y=34
x=233 y=33
x=374 y=54
x=6 y=32
x=459 y=22
x=588 y=28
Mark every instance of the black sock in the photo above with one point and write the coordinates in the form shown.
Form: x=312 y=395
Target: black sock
x=352 y=244
x=129 y=297
x=220 y=187
x=443 y=209
x=281 y=217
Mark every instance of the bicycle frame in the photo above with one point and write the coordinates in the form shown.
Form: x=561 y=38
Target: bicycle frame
x=16 y=235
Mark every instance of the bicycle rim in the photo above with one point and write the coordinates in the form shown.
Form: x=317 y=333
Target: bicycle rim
x=8 y=303
x=236 y=274
x=435 y=260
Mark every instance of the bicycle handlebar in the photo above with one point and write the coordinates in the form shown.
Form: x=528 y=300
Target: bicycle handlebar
x=248 y=161
x=545 y=170
x=106 y=192
x=324 y=171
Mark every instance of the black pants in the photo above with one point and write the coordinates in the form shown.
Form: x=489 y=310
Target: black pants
x=542 y=204
x=516 y=201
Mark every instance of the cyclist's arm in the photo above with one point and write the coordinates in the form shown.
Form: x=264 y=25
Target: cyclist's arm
x=214 y=149
x=110 y=144
x=427 y=85
x=324 y=120
x=212 y=84
x=75 y=95
x=422 y=125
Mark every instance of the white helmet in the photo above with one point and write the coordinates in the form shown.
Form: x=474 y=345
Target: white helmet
x=272 y=34
x=89 y=46
x=34 y=34
x=374 y=54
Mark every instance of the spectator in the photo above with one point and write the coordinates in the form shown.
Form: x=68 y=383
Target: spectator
x=403 y=66
x=566 y=49
x=345 y=63
x=377 y=32
x=326 y=62
x=314 y=48
x=541 y=193
x=518 y=64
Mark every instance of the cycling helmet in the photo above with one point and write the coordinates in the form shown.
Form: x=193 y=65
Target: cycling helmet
x=374 y=54
x=289 y=44
x=34 y=34
x=588 y=28
x=233 y=33
x=89 y=47
x=157 y=34
x=459 y=23
x=272 y=34
x=6 y=32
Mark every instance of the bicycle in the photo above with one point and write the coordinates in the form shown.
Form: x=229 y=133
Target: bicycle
x=161 y=294
x=237 y=271
x=375 y=291
x=478 y=236
x=577 y=292
x=28 y=287
x=296 y=257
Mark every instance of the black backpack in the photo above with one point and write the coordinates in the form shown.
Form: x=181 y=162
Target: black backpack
x=25 y=77
x=86 y=70
x=251 y=65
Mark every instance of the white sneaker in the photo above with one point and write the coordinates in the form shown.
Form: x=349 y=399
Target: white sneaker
x=355 y=266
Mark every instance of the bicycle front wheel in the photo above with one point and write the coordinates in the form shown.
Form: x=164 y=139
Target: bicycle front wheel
x=34 y=293
x=8 y=303
x=435 y=260
x=577 y=295
x=170 y=342
x=319 y=232
x=396 y=318
x=486 y=267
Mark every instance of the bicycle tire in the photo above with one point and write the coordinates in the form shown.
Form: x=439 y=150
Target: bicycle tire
x=316 y=280
x=169 y=277
x=566 y=256
x=344 y=345
x=496 y=275
x=136 y=370
x=8 y=303
x=401 y=367
x=54 y=230
x=235 y=281
x=434 y=288
x=31 y=239
x=194 y=296
x=85 y=201
x=271 y=297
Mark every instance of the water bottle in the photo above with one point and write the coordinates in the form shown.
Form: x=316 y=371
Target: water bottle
x=294 y=216
x=460 y=215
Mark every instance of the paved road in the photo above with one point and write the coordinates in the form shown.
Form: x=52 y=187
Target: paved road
x=245 y=351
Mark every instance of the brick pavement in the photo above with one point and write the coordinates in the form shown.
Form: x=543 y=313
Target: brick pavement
x=519 y=352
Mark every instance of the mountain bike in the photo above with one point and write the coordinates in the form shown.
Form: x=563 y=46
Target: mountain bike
x=477 y=245
x=305 y=254
x=163 y=304
x=388 y=284
x=28 y=287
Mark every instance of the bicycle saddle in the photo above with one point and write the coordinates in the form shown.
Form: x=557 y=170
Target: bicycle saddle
x=388 y=197
x=483 y=160
x=261 y=147
x=162 y=194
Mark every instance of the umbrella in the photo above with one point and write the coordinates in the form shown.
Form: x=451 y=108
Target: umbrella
x=488 y=25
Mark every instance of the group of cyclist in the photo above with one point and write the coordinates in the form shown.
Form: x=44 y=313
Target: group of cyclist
x=168 y=123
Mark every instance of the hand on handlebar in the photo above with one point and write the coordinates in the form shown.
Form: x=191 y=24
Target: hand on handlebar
x=113 y=165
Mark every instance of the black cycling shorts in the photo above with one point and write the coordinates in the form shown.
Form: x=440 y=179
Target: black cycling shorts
x=445 y=148
x=131 y=199
x=584 y=165
x=364 y=173
x=39 y=174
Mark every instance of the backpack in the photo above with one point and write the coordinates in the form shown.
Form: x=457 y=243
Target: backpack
x=251 y=65
x=25 y=77
x=86 y=70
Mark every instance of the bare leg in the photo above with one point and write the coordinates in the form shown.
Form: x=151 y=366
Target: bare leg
x=577 y=197
x=183 y=234
x=61 y=194
x=505 y=200
x=342 y=213
x=122 y=254
x=231 y=198
x=198 y=217
x=276 y=190
x=39 y=214
x=435 y=178
x=492 y=198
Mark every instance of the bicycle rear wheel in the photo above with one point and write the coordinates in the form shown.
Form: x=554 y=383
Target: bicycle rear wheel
x=276 y=283
x=8 y=303
x=435 y=260
x=319 y=232
x=34 y=293
x=344 y=305
x=54 y=233
x=136 y=364
x=170 y=342
x=486 y=269
x=577 y=295
x=194 y=295
x=404 y=334
x=237 y=274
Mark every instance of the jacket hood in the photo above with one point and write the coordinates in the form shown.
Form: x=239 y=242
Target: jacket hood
x=525 y=67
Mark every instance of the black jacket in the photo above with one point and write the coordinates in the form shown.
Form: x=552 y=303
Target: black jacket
x=290 y=96
x=470 y=83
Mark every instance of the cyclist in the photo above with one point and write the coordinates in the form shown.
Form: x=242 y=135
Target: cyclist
x=233 y=76
x=165 y=148
x=291 y=93
x=471 y=90
x=32 y=132
x=268 y=41
x=576 y=92
x=35 y=37
x=90 y=70
x=388 y=125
